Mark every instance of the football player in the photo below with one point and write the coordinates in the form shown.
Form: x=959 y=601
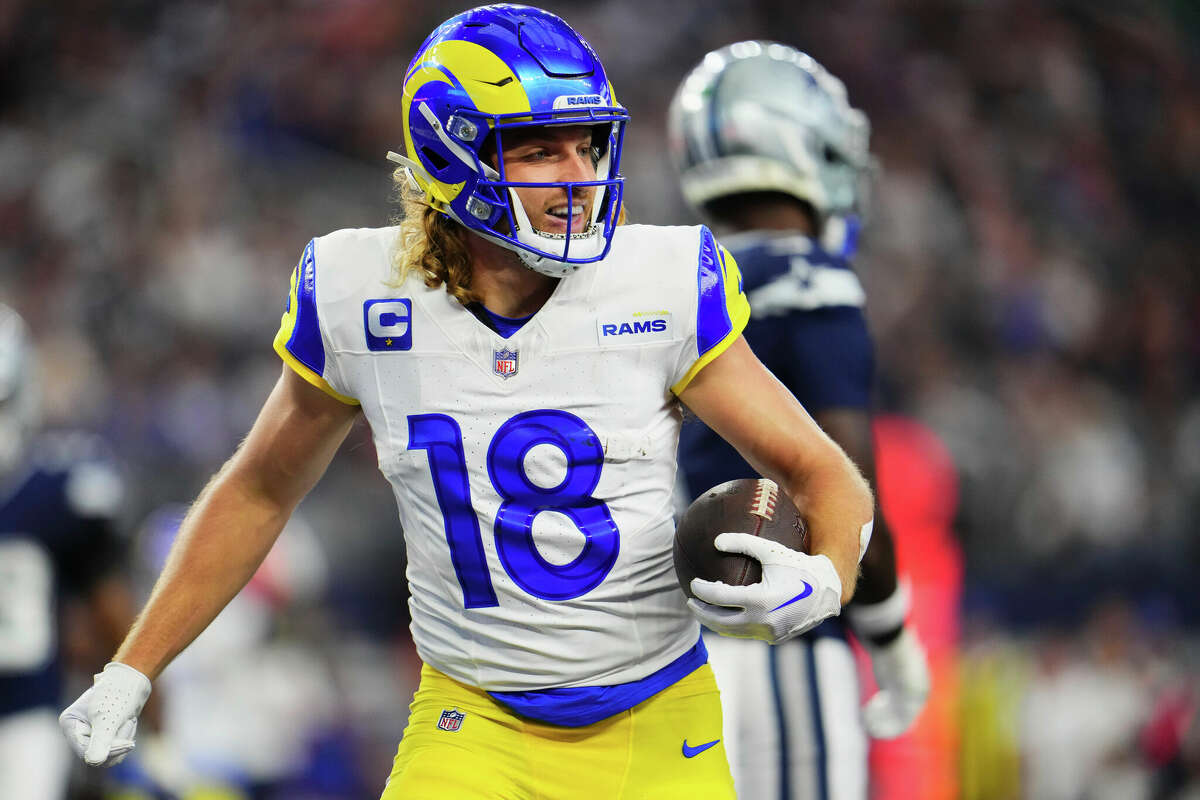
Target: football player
x=521 y=361
x=59 y=499
x=769 y=149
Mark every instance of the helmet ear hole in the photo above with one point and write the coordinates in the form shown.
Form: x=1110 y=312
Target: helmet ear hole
x=488 y=152
x=600 y=137
x=435 y=159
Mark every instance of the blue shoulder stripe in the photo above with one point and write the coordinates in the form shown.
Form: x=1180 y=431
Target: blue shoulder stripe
x=712 y=315
x=305 y=342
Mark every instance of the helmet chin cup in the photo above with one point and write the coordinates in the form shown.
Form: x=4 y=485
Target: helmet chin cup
x=588 y=244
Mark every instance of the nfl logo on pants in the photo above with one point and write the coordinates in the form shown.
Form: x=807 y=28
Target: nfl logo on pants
x=452 y=719
x=505 y=362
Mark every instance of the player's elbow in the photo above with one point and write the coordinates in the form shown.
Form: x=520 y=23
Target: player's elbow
x=864 y=498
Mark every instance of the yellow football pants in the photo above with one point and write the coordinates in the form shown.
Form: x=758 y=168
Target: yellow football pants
x=666 y=748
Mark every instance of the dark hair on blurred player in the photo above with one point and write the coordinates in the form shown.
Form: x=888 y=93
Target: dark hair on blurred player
x=769 y=149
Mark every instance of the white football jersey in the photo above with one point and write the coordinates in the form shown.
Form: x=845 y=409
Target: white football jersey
x=533 y=474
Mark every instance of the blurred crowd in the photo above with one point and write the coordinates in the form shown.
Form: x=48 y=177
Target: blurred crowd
x=1031 y=264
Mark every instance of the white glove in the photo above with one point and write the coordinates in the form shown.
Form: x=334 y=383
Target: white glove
x=902 y=673
x=796 y=592
x=101 y=724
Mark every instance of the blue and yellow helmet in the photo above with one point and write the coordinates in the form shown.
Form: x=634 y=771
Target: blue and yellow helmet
x=496 y=68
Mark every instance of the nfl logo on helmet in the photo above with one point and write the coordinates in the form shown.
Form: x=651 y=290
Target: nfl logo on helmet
x=505 y=362
x=452 y=719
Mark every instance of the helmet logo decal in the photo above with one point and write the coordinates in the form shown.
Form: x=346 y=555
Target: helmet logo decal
x=578 y=100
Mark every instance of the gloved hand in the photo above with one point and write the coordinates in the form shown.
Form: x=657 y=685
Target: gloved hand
x=102 y=723
x=902 y=673
x=796 y=592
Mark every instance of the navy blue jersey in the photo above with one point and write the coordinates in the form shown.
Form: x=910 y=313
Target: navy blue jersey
x=806 y=325
x=57 y=537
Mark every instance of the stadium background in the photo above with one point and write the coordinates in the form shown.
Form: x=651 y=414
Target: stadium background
x=1031 y=263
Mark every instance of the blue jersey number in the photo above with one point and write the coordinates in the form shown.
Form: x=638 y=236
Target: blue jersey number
x=441 y=438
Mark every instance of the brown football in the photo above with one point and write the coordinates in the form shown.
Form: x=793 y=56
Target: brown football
x=747 y=505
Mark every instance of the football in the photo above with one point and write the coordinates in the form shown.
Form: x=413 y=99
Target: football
x=748 y=505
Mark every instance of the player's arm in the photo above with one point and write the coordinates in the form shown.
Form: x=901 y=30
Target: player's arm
x=743 y=402
x=94 y=563
x=222 y=541
x=237 y=518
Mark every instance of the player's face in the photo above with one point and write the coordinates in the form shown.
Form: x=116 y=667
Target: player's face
x=557 y=154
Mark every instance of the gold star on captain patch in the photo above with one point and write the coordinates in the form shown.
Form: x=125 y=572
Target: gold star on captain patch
x=388 y=342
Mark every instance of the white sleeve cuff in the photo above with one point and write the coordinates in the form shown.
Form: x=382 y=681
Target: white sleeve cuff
x=883 y=617
x=864 y=538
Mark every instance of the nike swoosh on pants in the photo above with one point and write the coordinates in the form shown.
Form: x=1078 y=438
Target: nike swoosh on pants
x=690 y=752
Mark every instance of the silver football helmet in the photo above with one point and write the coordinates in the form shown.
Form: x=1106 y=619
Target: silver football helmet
x=759 y=116
x=19 y=413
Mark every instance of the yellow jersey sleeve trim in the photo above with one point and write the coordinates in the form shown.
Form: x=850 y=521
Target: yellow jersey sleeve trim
x=738 y=308
x=316 y=380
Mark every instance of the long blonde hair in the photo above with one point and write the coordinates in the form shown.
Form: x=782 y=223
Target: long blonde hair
x=431 y=244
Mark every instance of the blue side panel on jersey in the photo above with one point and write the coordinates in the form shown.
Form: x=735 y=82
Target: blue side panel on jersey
x=305 y=343
x=585 y=705
x=712 y=317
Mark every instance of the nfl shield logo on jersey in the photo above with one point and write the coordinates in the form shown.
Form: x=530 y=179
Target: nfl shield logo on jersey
x=452 y=719
x=505 y=362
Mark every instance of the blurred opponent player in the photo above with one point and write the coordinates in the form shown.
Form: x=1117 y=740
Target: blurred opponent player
x=521 y=361
x=769 y=149
x=59 y=496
